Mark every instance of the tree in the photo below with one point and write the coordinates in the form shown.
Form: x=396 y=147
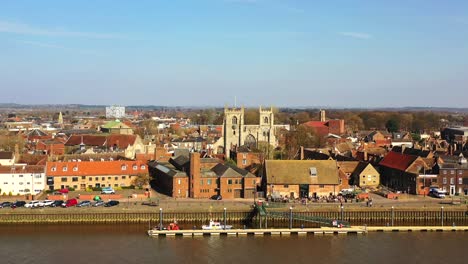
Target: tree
x=230 y=162
x=392 y=125
x=141 y=180
x=302 y=136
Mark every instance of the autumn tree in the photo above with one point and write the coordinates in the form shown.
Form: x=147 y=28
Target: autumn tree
x=302 y=136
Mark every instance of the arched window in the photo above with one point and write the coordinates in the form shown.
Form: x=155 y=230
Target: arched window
x=234 y=120
x=265 y=120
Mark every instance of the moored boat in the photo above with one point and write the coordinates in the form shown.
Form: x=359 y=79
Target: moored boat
x=215 y=226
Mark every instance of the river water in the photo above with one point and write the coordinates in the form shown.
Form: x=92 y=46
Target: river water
x=129 y=244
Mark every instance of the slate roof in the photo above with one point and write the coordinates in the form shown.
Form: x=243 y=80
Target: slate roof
x=222 y=170
x=299 y=171
x=37 y=133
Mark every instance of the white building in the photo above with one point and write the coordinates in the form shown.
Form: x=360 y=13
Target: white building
x=115 y=111
x=22 y=179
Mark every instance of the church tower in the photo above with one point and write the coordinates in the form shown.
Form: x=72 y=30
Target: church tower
x=267 y=120
x=232 y=129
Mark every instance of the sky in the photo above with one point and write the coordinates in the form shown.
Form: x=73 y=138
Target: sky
x=307 y=53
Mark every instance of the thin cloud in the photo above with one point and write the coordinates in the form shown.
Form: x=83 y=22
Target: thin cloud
x=357 y=35
x=25 y=29
x=54 y=46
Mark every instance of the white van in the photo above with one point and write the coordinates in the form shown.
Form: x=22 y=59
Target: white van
x=438 y=193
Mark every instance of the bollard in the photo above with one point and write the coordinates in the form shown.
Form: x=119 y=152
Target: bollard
x=224 y=227
x=160 y=219
x=442 y=216
x=393 y=215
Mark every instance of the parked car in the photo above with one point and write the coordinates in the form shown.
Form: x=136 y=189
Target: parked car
x=18 y=204
x=216 y=197
x=31 y=204
x=5 y=204
x=56 y=203
x=107 y=190
x=70 y=202
x=98 y=203
x=84 y=203
x=437 y=193
x=44 y=203
x=111 y=203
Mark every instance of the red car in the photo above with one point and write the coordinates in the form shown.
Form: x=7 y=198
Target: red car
x=63 y=191
x=70 y=202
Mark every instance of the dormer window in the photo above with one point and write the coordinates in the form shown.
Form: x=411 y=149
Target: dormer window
x=135 y=167
x=65 y=168
x=124 y=167
x=75 y=168
x=53 y=169
x=313 y=171
x=143 y=167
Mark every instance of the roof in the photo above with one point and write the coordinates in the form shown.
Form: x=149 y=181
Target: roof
x=22 y=169
x=121 y=141
x=397 y=161
x=359 y=168
x=348 y=166
x=180 y=161
x=167 y=168
x=37 y=133
x=114 y=124
x=417 y=152
x=94 y=168
x=88 y=140
x=222 y=170
x=6 y=155
x=299 y=171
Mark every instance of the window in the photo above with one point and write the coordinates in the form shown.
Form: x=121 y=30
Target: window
x=286 y=186
x=321 y=186
x=135 y=167
x=452 y=171
x=108 y=178
x=201 y=182
x=20 y=183
x=143 y=167
x=75 y=168
x=236 y=181
x=244 y=162
x=452 y=180
x=234 y=132
x=444 y=171
x=64 y=179
x=53 y=169
x=116 y=185
x=65 y=168
x=97 y=178
x=21 y=176
x=83 y=177
x=5 y=183
x=444 y=180
x=265 y=120
x=90 y=179
x=460 y=180
x=75 y=179
x=208 y=181
x=244 y=155
x=234 y=120
x=460 y=172
x=116 y=178
x=229 y=181
x=178 y=191
x=313 y=171
x=178 y=181
x=124 y=177
x=38 y=176
x=75 y=186
x=254 y=182
x=103 y=178
x=363 y=176
x=124 y=167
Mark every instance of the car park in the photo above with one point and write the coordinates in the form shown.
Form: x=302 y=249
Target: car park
x=111 y=203
x=18 y=204
x=84 y=203
x=5 y=204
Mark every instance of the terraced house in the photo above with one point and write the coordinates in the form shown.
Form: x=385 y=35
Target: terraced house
x=88 y=174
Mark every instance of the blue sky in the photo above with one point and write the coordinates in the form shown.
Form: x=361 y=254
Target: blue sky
x=263 y=52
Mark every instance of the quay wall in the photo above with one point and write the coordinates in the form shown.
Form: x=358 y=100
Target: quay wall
x=378 y=217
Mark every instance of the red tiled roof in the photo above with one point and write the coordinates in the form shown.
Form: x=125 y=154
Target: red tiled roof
x=121 y=141
x=22 y=169
x=95 y=168
x=397 y=161
x=89 y=140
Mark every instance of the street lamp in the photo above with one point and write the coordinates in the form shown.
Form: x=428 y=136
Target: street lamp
x=160 y=218
x=290 y=217
x=224 y=216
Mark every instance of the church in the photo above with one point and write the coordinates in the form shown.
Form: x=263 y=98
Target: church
x=236 y=133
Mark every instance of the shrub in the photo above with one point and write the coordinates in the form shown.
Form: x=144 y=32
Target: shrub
x=131 y=187
x=118 y=188
x=89 y=189
x=97 y=189
x=71 y=189
x=10 y=194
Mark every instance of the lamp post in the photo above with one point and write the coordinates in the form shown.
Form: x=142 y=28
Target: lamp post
x=290 y=217
x=442 y=216
x=393 y=214
x=224 y=218
x=342 y=213
x=160 y=218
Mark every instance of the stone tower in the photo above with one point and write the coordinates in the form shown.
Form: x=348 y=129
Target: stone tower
x=322 y=116
x=232 y=129
x=267 y=120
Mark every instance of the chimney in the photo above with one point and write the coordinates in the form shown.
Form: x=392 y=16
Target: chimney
x=194 y=174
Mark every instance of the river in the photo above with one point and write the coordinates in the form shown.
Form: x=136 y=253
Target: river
x=67 y=244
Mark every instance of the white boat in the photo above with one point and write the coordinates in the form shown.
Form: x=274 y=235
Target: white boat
x=215 y=226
